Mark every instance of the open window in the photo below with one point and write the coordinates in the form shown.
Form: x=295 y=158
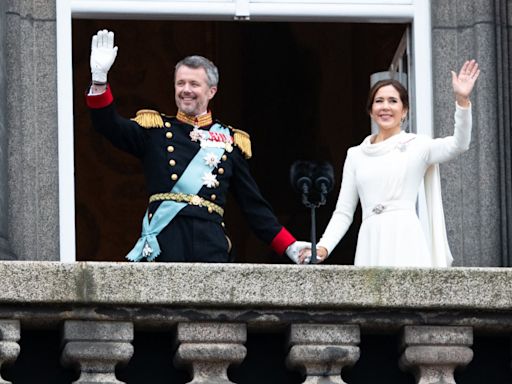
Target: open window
x=296 y=83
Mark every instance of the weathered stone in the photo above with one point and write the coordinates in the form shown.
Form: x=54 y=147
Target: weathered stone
x=214 y=332
x=433 y=352
x=9 y=347
x=75 y=330
x=435 y=335
x=95 y=348
x=320 y=351
x=31 y=121
x=5 y=251
x=474 y=192
x=256 y=285
x=208 y=349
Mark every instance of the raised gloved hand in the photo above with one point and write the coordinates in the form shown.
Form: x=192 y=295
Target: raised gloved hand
x=103 y=54
x=294 y=249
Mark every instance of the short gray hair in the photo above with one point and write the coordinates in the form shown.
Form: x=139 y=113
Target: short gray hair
x=196 y=61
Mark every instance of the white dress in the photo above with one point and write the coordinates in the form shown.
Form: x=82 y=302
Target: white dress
x=386 y=178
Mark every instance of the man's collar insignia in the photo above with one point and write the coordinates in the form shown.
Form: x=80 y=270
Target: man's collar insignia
x=197 y=121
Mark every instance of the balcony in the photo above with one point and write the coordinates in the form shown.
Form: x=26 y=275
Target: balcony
x=246 y=323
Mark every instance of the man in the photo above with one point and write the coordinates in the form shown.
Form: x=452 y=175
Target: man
x=190 y=161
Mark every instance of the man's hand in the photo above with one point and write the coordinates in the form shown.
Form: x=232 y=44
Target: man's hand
x=103 y=54
x=294 y=249
x=306 y=253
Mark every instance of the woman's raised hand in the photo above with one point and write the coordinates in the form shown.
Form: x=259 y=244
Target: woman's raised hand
x=464 y=82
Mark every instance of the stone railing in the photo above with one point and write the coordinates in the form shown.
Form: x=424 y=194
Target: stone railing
x=324 y=311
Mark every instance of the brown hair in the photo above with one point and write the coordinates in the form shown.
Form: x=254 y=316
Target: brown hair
x=402 y=92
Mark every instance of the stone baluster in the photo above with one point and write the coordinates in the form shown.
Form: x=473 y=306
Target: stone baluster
x=208 y=349
x=9 y=347
x=96 y=347
x=320 y=351
x=432 y=353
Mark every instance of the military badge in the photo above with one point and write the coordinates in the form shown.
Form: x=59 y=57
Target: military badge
x=211 y=160
x=210 y=180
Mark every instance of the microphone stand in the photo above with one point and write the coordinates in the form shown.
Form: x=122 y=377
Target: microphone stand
x=313 y=206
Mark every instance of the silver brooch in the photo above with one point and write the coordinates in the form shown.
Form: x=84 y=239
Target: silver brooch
x=401 y=147
x=378 y=209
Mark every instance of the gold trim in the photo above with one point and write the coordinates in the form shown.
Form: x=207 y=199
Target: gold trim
x=197 y=121
x=189 y=199
x=148 y=118
x=243 y=141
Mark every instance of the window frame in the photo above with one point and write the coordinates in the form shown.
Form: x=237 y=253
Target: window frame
x=414 y=12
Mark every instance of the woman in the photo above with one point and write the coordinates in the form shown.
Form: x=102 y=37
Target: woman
x=385 y=172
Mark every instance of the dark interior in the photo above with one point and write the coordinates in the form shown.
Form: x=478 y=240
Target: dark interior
x=299 y=90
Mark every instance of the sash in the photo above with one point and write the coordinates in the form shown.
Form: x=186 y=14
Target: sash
x=190 y=183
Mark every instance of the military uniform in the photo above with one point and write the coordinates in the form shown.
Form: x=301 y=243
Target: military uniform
x=168 y=146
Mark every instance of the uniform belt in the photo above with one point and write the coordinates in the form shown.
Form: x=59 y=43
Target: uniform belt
x=189 y=199
x=388 y=206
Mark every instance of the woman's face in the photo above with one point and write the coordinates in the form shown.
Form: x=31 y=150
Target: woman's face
x=388 y=109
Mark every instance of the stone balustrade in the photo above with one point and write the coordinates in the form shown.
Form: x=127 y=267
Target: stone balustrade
x=324 y=311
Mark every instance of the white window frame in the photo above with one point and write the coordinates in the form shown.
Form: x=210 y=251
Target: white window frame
x=415 y=12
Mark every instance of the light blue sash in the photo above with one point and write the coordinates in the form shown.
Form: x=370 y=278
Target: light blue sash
x=190 y=183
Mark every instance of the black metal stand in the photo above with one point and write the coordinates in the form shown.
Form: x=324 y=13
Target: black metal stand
x=313 y=180
x=313 y=236
x=313 y=207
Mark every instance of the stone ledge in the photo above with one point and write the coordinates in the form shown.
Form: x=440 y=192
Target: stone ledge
x=254 y=286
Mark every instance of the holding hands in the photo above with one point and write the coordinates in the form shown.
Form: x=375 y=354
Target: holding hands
x=300 y=252
x=305 y=255
x=464 y=82
x=295 y=249
x=103 y=54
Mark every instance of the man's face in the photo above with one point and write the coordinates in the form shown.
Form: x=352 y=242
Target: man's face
x=191 y=90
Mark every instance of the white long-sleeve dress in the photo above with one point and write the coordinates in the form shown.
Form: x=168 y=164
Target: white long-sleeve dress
x=386 y=178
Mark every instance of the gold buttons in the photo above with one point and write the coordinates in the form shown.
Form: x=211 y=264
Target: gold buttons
x=170 y=148
x=168 y=135
x=172 y=162
x=221 y=171
x=224 y=157
x=210 y=210
x=167 y=124
x=174 y=177
x=213 y=197
x=224 y=225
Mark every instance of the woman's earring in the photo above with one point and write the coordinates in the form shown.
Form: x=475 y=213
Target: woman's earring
x=403 y=123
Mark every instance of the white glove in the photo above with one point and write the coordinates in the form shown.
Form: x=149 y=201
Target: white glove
x=103 y=54
x=294 y=248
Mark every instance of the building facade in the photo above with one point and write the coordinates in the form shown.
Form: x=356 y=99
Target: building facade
x=35 y=218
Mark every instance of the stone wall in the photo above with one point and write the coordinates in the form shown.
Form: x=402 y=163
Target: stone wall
x=4 y=244
x=31 y=118
x=476 y=186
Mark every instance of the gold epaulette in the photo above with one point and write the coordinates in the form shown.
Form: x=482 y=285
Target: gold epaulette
x=149 y=118
x=243 y=141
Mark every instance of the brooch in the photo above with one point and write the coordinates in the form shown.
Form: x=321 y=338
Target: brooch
x=378 y=209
